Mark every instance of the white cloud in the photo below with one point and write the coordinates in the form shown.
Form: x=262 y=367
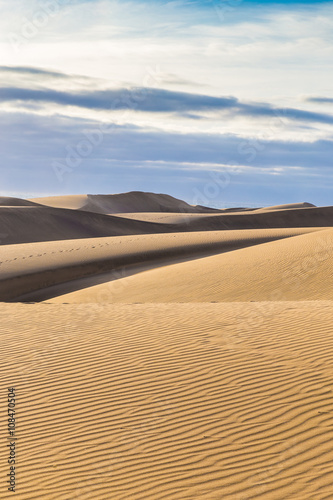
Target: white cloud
x=267 y=53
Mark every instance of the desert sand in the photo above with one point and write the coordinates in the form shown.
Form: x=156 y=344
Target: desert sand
x=161 y=351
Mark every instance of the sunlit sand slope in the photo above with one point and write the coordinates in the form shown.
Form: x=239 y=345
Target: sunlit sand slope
x=285 y=207
x=73 y=202
x=297 y=268
x=170 y=402
x=33 y=266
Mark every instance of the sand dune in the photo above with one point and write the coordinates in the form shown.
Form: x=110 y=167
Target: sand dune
x=299 y=217
x=31 y=224
x=134 y=201
x=286 y=207
x=25 y=222
x=137 y=201
x=7 y=201
x=34 y=266
x=189 y=218
x=165 y=217
x=174 y=402
x=73 y=202
x=254 y=219
x=288 y=269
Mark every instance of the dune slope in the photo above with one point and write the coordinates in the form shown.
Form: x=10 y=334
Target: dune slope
x=28 y=267
x=25 y=222
x=288 y=206
x=31 y=224
x=16 y=202
x=297 y=268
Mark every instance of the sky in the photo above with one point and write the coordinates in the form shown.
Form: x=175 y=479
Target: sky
x=224 y=103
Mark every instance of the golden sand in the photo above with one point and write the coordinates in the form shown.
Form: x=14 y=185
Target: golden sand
x=171 y=401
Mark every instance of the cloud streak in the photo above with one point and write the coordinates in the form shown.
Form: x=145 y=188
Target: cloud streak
x=320 y=100
x=28 y=70
x=150 y=100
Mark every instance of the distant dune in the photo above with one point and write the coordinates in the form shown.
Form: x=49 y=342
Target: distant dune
x=282 y=218
x=24 y=221
x=135 y=201
x=163 y=351
x=7 y=201
x=20 y=224
x=285 y=207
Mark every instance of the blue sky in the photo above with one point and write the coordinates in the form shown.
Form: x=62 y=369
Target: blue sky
x=224 y=103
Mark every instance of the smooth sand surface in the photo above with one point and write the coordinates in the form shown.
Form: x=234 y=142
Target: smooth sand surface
x=178 y=353
x=73 y=202
x=225 y=401
x=297 y=268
